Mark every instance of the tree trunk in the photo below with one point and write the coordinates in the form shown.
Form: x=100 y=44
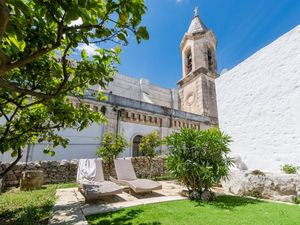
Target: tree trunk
x=3 y=18
x=3 y=173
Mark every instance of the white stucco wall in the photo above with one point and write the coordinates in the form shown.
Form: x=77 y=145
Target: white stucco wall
x=82 y=144
x=259 y=105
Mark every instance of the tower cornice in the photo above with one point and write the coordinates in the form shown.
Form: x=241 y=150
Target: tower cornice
x=194 y=36
x=200 y=71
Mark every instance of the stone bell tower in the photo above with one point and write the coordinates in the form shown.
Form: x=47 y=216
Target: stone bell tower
x=199 y=70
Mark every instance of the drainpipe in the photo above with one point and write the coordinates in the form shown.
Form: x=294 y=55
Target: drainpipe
x=161 y=134
x=27 y=153
x=119 y=112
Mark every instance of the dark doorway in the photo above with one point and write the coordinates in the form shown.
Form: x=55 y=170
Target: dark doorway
x=135 y=146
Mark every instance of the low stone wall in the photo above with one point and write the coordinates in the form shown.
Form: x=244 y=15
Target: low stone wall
x=280 y=187
x=66 y=171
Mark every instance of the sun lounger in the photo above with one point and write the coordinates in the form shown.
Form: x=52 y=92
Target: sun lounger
x=91 y=181
x=126 y=176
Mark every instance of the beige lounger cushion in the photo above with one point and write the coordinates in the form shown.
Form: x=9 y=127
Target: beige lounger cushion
x=126 y=176
x=99 y=189
x=143 y=185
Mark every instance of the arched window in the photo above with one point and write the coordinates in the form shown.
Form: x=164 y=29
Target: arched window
x=188 y=61
x=210 y=60
x=135 y=146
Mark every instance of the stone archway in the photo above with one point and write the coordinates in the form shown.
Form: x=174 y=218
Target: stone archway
x=135 y=146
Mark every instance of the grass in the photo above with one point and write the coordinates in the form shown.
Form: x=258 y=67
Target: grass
x=229 y=210
x=28 y=207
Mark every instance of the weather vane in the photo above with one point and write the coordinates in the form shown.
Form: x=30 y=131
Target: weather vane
x=196 y=11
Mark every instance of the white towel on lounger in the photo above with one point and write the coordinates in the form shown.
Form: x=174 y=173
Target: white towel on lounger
x=86 y=171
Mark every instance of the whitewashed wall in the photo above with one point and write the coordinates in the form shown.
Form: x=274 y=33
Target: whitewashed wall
x=82 y=144
x=259 y=105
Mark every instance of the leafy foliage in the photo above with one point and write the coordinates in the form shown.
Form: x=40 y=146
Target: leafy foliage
x=148 y=146
x=110 y=147
x=43 y=74
x=198 y=158
x=289 y=169
x=296 y=200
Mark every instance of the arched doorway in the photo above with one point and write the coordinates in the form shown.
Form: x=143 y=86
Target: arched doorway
x=135 y=146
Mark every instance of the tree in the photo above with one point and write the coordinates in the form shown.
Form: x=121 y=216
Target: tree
x=198 y=159
x=110 y=147
x=148 y=146
x=43 y=73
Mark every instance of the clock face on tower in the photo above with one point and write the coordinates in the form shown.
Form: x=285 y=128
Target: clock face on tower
x=190 y=98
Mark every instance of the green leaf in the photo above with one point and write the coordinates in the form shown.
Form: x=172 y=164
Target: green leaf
x=122 y=37
x=83 y=55
x=143 y=33
x=19 y=44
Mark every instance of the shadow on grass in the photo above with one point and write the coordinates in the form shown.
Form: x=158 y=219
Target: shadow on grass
x=118 y=218
x=229 y=202
x=27 y=216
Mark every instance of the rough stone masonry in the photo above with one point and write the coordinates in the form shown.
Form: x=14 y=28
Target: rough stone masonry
x=66 y=171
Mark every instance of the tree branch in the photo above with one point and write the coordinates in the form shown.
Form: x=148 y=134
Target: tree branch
x=64 y=66
x=2 y=112
x=12 y=87
x=4 y=59
x=2 y=174
x=3 y=18
x=27 y=59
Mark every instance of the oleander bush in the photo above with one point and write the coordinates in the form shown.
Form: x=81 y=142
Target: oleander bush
x=199 y=159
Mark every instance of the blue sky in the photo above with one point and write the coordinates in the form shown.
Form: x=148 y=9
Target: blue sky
x=241 y=26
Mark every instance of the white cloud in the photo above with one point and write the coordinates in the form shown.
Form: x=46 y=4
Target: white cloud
x=90 y=49
x=181 y=1
x=76 y=22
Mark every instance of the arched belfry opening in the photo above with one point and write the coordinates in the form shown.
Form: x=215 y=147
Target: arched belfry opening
x=210 y=60
x=188 y=61
x=135 y=146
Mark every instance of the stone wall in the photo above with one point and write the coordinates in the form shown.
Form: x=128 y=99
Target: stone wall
x=275 y=186
x=66 y=171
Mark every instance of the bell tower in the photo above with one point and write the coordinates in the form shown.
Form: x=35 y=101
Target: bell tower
x=199 y=69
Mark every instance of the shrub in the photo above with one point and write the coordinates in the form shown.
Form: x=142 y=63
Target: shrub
x=148 y=146
x=258 y=173
x=289 y=169
x=198 y=158
x=296 y=199
x=110 y=147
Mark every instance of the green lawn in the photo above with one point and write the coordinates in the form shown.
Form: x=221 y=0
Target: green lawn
x=29 y=207
x=226 y=210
